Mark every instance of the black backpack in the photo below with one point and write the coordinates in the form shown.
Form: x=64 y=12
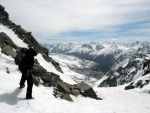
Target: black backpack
x=20 y=55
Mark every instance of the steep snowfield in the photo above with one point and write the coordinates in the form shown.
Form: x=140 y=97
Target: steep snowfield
x=13 y=36
x=115 y=100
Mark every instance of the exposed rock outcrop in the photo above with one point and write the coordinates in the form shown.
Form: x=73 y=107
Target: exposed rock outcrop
x=9 y=51
x=5 y=40
x=3 y=14
x=86 y=90
x=82 y=88
x=138 y=84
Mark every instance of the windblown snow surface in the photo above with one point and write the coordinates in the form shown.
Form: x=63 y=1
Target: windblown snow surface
x=115 y=100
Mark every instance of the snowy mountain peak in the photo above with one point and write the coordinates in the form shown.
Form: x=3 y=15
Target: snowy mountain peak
x=87 y=46
x=99 y=47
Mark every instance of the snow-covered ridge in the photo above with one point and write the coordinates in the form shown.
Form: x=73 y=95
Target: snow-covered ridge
x=13 y=36
x=97 y=48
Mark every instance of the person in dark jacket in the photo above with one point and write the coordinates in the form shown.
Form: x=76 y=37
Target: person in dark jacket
x=26 y=67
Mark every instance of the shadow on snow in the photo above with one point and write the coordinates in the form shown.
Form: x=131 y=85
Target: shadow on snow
x=11 y=98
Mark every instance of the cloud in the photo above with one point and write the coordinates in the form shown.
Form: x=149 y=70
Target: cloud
x=52 y=18
x=114 y=39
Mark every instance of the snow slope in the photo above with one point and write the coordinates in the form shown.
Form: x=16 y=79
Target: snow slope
x=115 y=100
x=13 y=36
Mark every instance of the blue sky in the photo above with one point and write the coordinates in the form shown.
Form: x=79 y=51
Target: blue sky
x=82 y=20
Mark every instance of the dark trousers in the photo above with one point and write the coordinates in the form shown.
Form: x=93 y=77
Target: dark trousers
x=29 y=83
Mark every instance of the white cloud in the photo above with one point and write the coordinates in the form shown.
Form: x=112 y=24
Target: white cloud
x=113 y=39
x=48 y=18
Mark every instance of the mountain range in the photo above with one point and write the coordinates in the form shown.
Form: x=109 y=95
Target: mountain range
x=119 y=62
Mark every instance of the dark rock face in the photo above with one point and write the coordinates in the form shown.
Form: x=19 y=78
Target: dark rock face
x=63 y=90
x=67 y=97
x=5 y=40
x=110 y=81
x=87 y=46
x=38 y=70
x=35 y=80
x=131 y=86
x=146 y=64
x=3 y=13
x=139 y=84
x=9 y=51
x=50 y=79
x=63 y=87
x=99 y=47
x=86 y=90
